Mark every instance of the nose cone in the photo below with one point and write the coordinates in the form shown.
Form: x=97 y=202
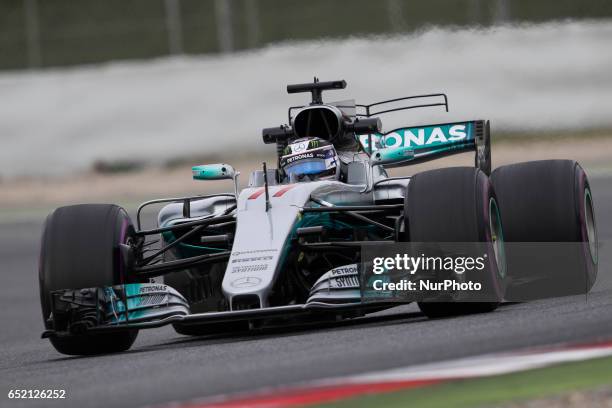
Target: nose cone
x=261 y=239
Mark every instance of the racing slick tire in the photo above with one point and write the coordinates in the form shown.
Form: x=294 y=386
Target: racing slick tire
x=79 y=249
x=458 y=204
x=547 y=204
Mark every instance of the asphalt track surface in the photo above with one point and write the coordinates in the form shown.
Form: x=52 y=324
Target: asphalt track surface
x=163 y=366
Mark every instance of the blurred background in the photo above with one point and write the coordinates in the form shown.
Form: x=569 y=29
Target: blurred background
x=124 y=95
x=54 y=33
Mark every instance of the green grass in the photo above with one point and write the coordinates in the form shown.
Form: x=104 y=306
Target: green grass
x=525 y=385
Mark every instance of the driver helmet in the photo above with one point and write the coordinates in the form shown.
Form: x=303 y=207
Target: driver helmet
x=310 y=159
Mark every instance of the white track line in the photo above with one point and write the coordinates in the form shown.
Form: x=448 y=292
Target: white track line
x=479 y=366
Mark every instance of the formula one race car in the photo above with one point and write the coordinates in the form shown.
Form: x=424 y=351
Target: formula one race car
x=290 y=246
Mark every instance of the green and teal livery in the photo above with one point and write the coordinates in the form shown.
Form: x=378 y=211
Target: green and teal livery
x=218 y=171
x=411 y=143
x=142 y=301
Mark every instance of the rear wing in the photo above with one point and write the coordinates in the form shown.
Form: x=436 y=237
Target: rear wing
x=410 y=145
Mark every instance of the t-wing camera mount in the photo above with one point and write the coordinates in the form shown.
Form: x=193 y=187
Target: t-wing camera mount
x=316 y=88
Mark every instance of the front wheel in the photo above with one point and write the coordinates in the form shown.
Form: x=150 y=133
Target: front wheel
x=79 y=249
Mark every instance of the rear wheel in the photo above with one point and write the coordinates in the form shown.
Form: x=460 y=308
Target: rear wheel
x=547 y=204
x=458 y=205
x=79 y=249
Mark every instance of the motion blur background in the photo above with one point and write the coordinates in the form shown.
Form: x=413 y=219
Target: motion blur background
x=53 y=33
x=147 y=87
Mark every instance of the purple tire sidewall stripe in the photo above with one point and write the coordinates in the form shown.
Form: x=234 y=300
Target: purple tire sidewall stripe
x=122 y=239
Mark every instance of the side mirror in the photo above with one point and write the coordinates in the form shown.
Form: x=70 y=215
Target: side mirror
x=219 y=171
x=392 y=155
x=365 y=126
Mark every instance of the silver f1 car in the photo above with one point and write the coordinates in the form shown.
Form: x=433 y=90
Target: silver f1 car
x=290 y=246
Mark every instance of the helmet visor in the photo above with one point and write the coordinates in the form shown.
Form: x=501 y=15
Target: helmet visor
x=308 y=167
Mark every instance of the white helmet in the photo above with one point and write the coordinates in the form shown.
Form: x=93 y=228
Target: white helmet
x=310 y=159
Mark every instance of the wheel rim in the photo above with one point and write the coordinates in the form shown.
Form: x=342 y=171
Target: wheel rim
x=589 y=219
x=497 y=237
